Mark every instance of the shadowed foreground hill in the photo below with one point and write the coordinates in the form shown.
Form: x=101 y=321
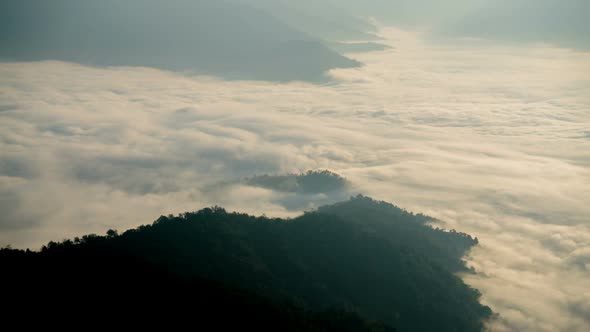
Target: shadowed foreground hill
x=93 y=286
x=386 y=265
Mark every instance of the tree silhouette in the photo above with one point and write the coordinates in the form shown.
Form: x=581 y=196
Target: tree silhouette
x=322 y=271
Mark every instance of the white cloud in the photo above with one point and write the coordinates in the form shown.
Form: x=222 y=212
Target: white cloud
x=492 y=140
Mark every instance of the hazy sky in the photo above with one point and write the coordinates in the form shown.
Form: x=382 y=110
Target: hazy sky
x=491 y=137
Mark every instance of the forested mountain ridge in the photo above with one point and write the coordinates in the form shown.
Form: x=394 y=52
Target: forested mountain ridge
x=407 y=229
x=330 y=258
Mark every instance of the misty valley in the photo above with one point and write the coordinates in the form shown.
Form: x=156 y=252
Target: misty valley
x=273 y=138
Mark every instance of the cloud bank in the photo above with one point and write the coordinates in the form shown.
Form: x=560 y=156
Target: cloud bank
x=492 y=140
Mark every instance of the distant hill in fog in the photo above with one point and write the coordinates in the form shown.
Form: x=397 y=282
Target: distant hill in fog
x=560 y=22
x=326 y=19
x=227 y=38
x=314 y=182
x=279 y=40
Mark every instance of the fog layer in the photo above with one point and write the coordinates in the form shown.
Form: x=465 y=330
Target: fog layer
x=492 y=140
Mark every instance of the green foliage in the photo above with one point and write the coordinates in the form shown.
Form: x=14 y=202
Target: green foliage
x=360 y=256
x=406 y=229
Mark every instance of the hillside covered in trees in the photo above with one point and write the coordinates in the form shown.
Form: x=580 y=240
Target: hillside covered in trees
x=321 y=271
x=310 y=182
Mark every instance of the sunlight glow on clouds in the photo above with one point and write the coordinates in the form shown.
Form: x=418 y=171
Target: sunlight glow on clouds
x=492 y=140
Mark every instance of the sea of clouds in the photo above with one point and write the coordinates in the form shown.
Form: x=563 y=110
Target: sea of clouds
x=492 y=140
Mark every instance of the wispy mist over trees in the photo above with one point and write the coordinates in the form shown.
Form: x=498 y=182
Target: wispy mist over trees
x=309 y=182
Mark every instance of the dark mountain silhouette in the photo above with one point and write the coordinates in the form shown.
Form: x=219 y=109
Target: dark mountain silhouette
x=93 y=283
x=228 y=38
x=314 y=272
x=406 y=229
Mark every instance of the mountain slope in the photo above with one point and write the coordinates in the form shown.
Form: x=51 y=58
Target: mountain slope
x=563 y=23
x=405 y=229
x=93 y=286
x=559 y=22
x=319 y=260
x=327 y=19
x=219 y=37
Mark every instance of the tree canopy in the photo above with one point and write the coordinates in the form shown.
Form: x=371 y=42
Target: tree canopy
x=360 y=258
